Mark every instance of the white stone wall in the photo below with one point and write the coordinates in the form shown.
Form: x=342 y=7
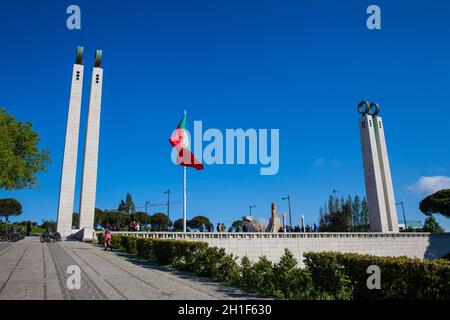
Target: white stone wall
x=254 y=245
x=69 y=167
x=89 y=178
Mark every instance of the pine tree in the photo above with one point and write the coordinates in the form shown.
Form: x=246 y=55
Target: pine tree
x=364 y=215
x=130 y=208
x=356 y=210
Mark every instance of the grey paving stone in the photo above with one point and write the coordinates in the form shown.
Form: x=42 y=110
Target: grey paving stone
x=33 y=270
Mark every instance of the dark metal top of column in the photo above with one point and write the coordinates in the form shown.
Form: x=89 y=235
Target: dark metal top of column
x=364 y=108
x=98 y=59
x=79 y=58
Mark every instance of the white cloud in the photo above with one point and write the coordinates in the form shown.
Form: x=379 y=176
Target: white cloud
x=429 y=185
x=319 y=162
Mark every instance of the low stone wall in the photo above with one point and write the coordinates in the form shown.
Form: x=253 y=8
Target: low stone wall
x=272 y=245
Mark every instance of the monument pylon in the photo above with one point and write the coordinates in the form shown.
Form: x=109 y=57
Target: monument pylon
x=90 y=162
x=69 y=166
x=89 y=176
x=377 y=172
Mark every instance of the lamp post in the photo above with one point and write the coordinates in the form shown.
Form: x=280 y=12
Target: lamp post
x=403 y=210
x=168 y=207
x=250 y=207
x=146 y=213
x=288 y=198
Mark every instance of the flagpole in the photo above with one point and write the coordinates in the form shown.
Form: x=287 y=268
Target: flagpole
x=184 y=194
x=184 y=200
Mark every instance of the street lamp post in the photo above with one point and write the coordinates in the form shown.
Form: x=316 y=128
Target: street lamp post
x=289 y=204
x=250 y=207
x=168 y=207
x=403 y=210
x=146 y=213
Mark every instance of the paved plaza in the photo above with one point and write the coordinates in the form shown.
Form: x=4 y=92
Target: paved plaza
x=30 y=269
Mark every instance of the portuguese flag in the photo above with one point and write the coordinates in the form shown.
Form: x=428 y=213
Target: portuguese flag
x=180 y=141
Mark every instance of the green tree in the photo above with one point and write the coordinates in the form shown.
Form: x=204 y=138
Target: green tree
x=159 y=221
x=141 y=217
x=178 y=225
x=238 y=224
x=48 y=224
x=198 y=221
x=121 y=206
x=129 y=204
x=356 y=211
x=438 y=202
x=431 y=225
x=364 y=216
x=10 y=207
x=76 y=220
x=20 y=157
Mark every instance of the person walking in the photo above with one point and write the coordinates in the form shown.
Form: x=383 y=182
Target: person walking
x=107 y=238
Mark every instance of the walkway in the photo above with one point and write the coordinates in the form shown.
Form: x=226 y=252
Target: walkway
x=32 y=270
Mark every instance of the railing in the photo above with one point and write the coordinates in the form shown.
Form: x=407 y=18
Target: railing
x=265 y=235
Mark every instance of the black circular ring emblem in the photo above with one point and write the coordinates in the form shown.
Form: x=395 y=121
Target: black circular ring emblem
x=371 y=109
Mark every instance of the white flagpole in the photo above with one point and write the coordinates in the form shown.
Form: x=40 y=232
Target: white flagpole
x=184 y=194
x=184 y=201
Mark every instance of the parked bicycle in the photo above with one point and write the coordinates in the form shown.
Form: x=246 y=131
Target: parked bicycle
x=10 y=235
x=50 y=236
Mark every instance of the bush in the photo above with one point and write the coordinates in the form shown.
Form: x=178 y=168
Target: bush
x=327 y=275
x=401 y=277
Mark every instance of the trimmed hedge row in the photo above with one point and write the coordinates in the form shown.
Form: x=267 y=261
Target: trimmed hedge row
x=281 y=280
x=401 y=277
x=328 y=275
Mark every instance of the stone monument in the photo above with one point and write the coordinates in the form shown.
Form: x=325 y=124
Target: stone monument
x=377 y=172
x=68 y=175
x=252 y=225
x=274 y=222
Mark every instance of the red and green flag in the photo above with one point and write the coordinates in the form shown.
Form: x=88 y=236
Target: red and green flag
x=180 y=141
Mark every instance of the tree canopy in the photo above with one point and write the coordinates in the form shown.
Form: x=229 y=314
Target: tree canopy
x=438 y=202
x=198 y=221
x=20 y=157
x=339 y=215
x=127 y=206
x=10 y=207
x=431 y=225
x=159 y=221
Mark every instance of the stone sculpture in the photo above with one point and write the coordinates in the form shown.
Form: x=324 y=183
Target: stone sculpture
x=274 y=222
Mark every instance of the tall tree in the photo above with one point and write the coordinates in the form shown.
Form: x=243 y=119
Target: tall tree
x=20 y=157
x=356 y=212
x=364 y=216
x=431 y=225
x=178 y=225
x=199 y=221
x=438 y=202
x=130 y=208
x=121 y=206
x=10 y=207
x=159 y=221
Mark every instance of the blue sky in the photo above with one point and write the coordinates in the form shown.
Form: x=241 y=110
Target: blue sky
x=299 y=66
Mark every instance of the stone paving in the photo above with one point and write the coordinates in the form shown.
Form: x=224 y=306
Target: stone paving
x=30 y=269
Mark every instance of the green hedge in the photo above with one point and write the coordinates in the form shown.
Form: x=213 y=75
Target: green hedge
x=327 y=275
x=401 y=277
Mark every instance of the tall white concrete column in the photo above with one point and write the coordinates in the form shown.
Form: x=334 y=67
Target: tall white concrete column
x=373 y=176
x=391 y=209
x=89 y=179
x=69 y=166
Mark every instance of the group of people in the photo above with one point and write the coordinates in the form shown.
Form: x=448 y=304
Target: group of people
x=308 y=228
x=134 y=226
